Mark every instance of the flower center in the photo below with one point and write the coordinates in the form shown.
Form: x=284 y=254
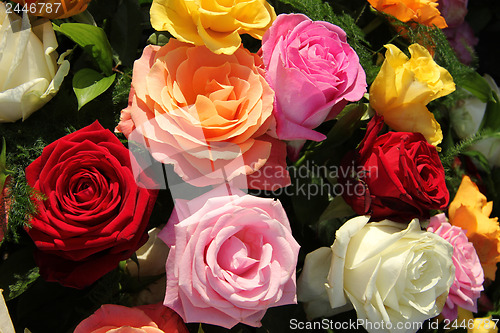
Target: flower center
x=233 y=256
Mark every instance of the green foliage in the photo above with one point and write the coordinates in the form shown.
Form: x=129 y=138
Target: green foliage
x=22 y=205
x=121 y=89
x=92 y=40
x=88 y=84
x=4 y=172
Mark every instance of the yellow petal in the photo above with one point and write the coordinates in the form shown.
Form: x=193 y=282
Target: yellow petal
x=175 y=17
x=403 y=88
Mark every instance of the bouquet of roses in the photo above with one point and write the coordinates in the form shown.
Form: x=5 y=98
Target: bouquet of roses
x=214 y=165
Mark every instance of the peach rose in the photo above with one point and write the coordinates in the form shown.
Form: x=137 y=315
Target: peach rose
x=470 y=211
x=154 y=318
x=204 y=113
x=422 y=11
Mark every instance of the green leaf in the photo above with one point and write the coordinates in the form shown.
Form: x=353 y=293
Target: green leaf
x=478 y=86
x=491 y=119
x=88 y=84
x=337 y=208
x=3 y=166
x=346 y=125
x=93 y=40
x=124 y=35
x=159 y=38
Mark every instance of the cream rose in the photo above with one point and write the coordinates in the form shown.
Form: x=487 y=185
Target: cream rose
x=30 y=72
x=393 y=274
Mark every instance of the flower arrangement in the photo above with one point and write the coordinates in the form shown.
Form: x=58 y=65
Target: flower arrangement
x=247 y=166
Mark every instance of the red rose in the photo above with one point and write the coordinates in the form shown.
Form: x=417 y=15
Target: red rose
x=94 y=215
x=396 y=176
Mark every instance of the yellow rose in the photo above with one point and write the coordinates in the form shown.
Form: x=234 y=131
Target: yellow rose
x=471 y=211
x=476 y=325
x=214 y=23
x=403 y=87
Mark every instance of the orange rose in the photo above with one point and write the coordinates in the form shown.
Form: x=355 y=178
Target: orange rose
x=470 y=211
x=205 y=114
x=54 y=9
x=422 y=11
x=154 y=318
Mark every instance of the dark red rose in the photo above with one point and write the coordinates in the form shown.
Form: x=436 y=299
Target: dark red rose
x=396 y=176
x=94 y=215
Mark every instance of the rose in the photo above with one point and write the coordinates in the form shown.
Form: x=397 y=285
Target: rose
x=392 y=273
x=54 y=9
x=94 y=215
x=232 y=256
x=5 y=320
x=466 y=119
x=216 y=24
x=463 y=41
x=422 y=11
x=154 y=318
x=469 y=277
x=453 y=11
x=32 y=75
x=400 y=176
x=467 y=116
x=404 y=87
x=470 y=211
x=206 y=114
x=313 y=60
x=490 y=148
x=151 y=258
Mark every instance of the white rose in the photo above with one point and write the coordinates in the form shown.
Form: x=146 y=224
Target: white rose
x=30 y=74
x=391 y=273
x=467 y=115
x=5 y=321
x=152 y=257
x=466 y=118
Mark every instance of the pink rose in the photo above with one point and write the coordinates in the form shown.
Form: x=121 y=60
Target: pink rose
x=232 y=256
x=453 y=11
x=469 y=277
x=314 y=73
x=154 y=318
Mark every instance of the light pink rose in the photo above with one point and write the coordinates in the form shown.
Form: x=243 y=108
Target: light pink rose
x=154 y=318
x=469 y=277
x=314 y=73
x=453 y=11
x=232 y=256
